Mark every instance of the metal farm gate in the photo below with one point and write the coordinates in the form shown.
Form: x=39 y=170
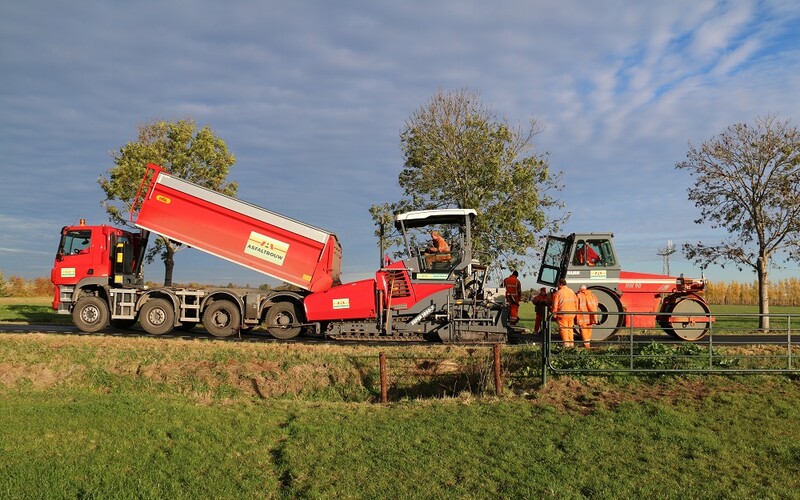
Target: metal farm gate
x=734 y=344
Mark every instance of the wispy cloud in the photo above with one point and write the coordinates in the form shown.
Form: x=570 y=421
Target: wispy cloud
x=311 y=98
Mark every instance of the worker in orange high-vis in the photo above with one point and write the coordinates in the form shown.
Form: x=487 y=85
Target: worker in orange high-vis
x=565 y=300
x=438 y=243
x=513 y=294
x=587 y=304
x=438 y=250
x=586 y=255
x=540 y=303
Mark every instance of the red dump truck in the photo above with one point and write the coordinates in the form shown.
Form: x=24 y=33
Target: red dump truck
x=98 y=274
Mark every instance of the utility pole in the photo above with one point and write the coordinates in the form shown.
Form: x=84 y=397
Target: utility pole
x=665 y=253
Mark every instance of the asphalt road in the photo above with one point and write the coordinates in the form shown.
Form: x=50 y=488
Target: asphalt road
x=261 y=336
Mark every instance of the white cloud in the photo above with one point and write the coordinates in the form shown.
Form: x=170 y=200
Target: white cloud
x=311 y=97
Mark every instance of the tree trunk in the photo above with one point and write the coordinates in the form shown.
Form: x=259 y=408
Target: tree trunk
x=763 y=293
x=169 y=263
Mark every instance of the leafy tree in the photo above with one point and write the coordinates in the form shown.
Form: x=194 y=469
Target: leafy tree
x=198 y=156
x=747 y=181
x=3 y=285
x=458 y=154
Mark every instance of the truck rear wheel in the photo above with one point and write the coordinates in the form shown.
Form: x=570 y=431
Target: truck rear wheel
x=90 y=314
x=157 y=316
x=280 y=317
x=222 y=318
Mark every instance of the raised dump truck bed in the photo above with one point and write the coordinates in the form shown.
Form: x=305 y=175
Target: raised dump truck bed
x=239 y=232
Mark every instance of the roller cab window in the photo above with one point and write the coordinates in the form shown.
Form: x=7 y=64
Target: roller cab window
x=593 y=252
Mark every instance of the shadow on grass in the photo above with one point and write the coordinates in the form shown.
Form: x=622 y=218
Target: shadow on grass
x=27 y=313
x=421 y=377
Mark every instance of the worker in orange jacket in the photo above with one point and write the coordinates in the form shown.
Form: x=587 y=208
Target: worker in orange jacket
x=438 y=243
x=540 y=303
x=513 y=290
x=565 y=300
x=586 y=255
x=587 y=303
x=438 y=250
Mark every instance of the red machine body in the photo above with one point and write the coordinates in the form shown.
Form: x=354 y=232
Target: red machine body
x=99 y=280
x=248 y=235
x=648 y=293
x=357 y=300
x=635 y=300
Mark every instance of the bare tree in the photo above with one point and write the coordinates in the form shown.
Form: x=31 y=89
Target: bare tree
x=747 y=181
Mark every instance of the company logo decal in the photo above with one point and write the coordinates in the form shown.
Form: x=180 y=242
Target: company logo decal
x=432 y=276
x=67 y=272
x=266 y=248
x=163 y=199
x=597 y=275
x=341 y=303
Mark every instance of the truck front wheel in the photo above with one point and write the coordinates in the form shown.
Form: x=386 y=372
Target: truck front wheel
x=222 y=318
x=282 y=321
x=157 y=316
x=90 y=314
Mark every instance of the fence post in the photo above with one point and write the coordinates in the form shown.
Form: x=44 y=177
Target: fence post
x=545 y=344
x=789 y=337
x=382 y=363
x=498 y=384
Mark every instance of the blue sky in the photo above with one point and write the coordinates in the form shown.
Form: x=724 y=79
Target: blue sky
x=311 y=98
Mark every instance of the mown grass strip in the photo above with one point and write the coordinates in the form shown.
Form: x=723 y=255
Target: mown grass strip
x=124 y=445
x=88 y=416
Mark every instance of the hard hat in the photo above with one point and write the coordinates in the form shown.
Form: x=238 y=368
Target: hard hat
x=583 y=287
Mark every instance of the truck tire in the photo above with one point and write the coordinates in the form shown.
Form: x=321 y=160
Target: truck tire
x=157 y=316
x=222 y=318
x=90 y=314
x=279 y=317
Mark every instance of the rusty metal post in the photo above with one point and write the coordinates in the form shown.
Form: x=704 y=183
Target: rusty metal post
x=384 y=392
x=498 y=384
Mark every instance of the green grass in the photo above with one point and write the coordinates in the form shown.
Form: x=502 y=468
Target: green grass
x=31 y=310
x=744 y=319
x=77 y=444
x=103 y=417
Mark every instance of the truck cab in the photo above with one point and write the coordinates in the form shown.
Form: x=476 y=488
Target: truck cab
x=90 y=259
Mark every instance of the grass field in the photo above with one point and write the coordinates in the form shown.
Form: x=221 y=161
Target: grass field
x=115 y=417
x=37 y=310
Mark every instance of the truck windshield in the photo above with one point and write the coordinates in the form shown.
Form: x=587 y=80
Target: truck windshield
x=75 y=241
